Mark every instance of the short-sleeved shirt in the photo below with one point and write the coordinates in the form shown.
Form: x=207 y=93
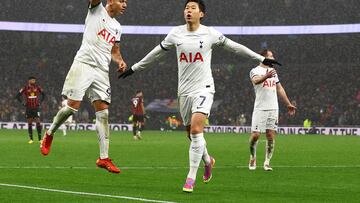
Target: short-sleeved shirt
x=32 y=95
x=194 y=51
x=265 y=92
x=136 y=106
x=100 y=35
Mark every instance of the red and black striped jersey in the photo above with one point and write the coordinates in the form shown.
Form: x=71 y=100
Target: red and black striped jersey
x=32 y=95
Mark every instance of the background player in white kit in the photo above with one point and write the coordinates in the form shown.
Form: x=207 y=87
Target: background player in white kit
x=89 y=74
x=69 y=120
x=194 y=43
x=266 y=108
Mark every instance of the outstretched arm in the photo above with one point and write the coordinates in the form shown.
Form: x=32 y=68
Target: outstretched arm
x=282 y=94
x=242 y=50
x=117 y=58
x=151 y=57
x=246 y=52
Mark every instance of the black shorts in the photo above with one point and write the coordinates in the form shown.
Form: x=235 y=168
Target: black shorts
x=138 y=118
x=32 y=113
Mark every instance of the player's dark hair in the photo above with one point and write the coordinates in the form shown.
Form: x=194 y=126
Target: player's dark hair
x=201 y=4
x=31 y=78
x=138 y=91
x=264 y=52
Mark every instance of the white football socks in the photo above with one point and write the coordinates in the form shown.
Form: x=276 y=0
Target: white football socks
x=196 y=153
x=102 y=129
x=270 y=144
x=60 y=118
x=206 y=156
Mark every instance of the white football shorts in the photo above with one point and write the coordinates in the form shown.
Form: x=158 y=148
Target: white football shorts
x=86 y=79
x=198 y=102
x=263 y=120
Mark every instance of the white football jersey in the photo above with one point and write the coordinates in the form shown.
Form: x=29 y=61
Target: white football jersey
x=265 y=92
x=100 y=35
x=194 y=50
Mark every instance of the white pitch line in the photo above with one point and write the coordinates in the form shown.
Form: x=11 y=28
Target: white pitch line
x=173 y=167
x=83 y=193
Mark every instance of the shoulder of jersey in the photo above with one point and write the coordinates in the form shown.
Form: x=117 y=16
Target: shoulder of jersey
x=256 y=68
x=178 y=29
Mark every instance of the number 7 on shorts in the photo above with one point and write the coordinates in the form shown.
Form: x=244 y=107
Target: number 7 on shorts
x=203 y=100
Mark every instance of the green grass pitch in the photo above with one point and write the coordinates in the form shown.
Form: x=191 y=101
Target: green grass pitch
x=306 y=169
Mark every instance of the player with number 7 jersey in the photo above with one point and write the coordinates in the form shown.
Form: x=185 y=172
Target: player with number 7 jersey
x=194 y=44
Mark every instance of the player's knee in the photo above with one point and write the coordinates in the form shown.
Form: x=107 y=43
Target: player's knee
x=255 y=136
x=100 y=105
x=270 y=134
x=75 y=105
x=196 y=129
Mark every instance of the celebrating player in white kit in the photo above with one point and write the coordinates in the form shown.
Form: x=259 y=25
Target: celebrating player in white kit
x=194 y=43
x=89 y=74
x=266 y=109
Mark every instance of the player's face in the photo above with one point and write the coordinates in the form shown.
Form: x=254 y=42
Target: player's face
x=32 y=82
x=119 y=6
x=270 y=55
x=192 y=13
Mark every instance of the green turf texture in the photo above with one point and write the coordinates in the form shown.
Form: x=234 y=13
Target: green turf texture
x=308 y=168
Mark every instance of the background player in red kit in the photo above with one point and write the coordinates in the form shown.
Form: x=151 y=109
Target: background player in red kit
x=34 y=95
x=138 y=111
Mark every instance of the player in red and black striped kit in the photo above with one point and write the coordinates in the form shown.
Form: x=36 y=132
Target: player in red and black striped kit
x=138 y=111
x=34 y=95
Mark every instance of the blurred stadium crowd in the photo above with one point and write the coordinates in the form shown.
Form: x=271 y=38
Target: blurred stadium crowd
x=320 y=73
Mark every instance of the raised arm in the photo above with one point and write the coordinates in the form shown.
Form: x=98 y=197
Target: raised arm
x=282 y=94
x=117 y=58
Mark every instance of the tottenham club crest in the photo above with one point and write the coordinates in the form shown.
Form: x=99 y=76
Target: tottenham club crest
x=201 y=44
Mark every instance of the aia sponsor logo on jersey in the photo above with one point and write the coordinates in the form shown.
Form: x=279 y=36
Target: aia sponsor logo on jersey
x=191 y=57
x=107 y=36
x=269 y=83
